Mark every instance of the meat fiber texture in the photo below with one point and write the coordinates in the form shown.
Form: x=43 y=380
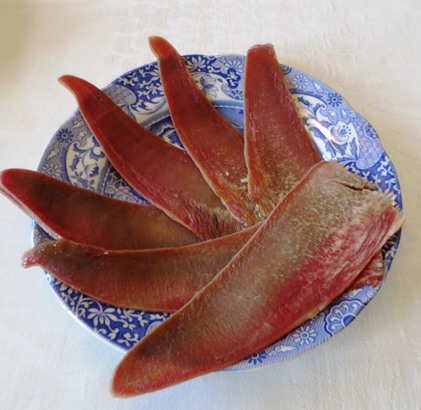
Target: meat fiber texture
x=309 y=250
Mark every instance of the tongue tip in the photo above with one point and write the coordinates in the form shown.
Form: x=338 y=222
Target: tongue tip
x=13 y=184
x=66 y=79
x=161 y=47
x=9 y=175
x=29 y=259
x=118 y=386
x=34 y=256
x=79 y=87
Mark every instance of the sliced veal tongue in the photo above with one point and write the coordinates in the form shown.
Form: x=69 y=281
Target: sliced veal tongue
x=279 y=151
x=159 y=171
x=214 y=144
x=84 y=216
x=310 y=249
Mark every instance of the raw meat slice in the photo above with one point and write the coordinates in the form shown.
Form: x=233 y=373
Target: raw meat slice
x=278 y=149
x=215 y=146
x=159 y=171
x=81 y=215
x=310 y=249
x=160 y=280
x=372 y=275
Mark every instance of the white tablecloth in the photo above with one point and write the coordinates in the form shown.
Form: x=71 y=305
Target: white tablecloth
x=370 y=52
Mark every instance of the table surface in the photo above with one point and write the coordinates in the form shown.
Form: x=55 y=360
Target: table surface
x=368 y=51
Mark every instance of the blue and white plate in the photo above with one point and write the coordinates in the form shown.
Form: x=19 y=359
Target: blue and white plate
x=73 y=155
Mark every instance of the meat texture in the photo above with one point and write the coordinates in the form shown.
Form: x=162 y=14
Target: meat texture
x=215 y=146
x=160 y=280
x=279 y=151
x=159 y=171
x=85 y=216
x=310 y=249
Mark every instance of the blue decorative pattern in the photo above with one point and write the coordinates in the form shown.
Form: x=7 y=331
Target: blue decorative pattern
x=73 y=155
x=341 y=315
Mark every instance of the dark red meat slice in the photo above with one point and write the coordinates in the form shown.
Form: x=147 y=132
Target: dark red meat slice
x=215 y=146
x=372 y=275
x=81 y=215
x=310 y=249
x=279 y=151
x=159 y=171
x=155 y=280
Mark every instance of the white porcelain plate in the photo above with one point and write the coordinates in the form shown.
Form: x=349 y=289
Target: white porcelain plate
x=341 y=134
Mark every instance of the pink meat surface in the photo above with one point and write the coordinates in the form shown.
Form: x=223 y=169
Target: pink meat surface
x=160 y=280
x=215 y=146
x=309 y=250
x=159 y=171
x=279 y=150
x=81 y=215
